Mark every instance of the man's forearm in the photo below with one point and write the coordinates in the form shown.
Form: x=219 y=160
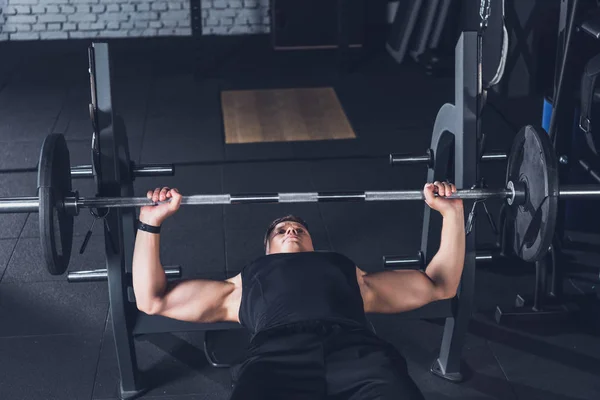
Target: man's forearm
x=149 y=279
x=445 y=268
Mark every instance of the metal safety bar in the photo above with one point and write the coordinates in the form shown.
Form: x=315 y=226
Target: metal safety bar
x=404 y=159
x=85 y=171
x=101 y=275
x=401 y=262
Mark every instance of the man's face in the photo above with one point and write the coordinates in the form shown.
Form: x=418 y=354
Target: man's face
x=289 y=237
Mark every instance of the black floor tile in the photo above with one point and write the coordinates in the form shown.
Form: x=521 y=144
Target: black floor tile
x=419 y=343
x=259 y=151
x=394 y=100
x=366 y=175
x=18 y=185
x=171 y=365
x=202 y=396
x=49 y=308
x=135 y=122
x=188 y=179
x=27 y=263
x=335 y=148
x=569 y=342
x=196 y=251
x=7 y=247
x=200 y=126
x=130 y=97
x=78 y=129
x=195 y=221
x=49 y=367
x=11 y=225
x=243 y=246
x=16 y=155
x=19 y=128
x=499 y=283
x=367 y=232
x=21 y=101
x=165 y=149
x=76 y=104
x=181 y=96
x=267 y=177
x=270 y=82
x=80 y=150
x=531 y=374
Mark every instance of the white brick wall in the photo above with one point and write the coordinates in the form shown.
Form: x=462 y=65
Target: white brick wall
x=77 y=19
x=235 y=17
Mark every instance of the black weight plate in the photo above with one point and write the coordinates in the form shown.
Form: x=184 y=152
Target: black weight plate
x=532 y=161
x=54 y=184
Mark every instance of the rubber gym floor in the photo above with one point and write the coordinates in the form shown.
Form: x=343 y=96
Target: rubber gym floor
x=55 y=337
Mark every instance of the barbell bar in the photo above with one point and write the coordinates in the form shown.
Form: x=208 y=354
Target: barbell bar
x=72 y=204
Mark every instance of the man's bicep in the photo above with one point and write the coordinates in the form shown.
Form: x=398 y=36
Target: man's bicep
x=196 y=300
x=390 y=292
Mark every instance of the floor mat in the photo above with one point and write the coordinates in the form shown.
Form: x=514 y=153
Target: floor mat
x=282 y=115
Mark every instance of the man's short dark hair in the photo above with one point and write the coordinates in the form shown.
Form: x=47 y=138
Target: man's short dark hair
x=276 y=222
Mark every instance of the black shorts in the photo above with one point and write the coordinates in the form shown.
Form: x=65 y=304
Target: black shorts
x=320 y=360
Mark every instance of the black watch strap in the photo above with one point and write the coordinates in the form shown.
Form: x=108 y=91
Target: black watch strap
x=147 y=228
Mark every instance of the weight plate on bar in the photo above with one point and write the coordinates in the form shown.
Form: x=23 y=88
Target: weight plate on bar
x=54 y=184
x=532 y=161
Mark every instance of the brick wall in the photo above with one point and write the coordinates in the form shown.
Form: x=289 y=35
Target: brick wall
x=232 y=17
x=3 y=36
x=77 y=19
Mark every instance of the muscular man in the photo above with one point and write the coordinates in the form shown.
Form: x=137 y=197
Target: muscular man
x=305 y=309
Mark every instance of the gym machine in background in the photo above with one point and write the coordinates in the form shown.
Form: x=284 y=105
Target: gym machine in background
x=423 y=19
x=420 y=26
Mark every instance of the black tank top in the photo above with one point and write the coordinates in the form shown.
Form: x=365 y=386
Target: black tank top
x=284 y=288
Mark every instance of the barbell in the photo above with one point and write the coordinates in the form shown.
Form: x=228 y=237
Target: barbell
x=531 y=190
